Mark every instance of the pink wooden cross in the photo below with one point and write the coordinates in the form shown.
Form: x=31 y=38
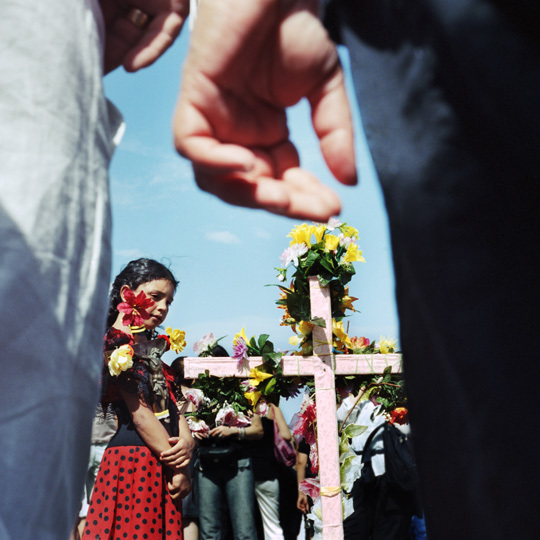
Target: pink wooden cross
x=323 y=366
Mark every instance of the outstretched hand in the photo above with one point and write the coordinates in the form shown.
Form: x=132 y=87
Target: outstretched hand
x=249 y=61
x=133 y=47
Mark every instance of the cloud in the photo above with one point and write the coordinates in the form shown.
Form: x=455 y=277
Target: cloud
x=223 y=237
x=262 y=233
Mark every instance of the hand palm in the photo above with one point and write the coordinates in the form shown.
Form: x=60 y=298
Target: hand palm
x=231 y=118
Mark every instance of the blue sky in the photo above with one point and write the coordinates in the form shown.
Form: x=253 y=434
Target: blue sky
x=224 y=256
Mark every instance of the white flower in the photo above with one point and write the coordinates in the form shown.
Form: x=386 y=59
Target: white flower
x=351 y=470
x=207 y=342
x=333 y=223
x=281 y=277
x=346 y=240
x=292 y=253
x=262 y=408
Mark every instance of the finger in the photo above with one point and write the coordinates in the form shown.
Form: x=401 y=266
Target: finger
x=332 y=121
x=154 y=41
x=298 y=195
x=182 y=462
x=166 y=454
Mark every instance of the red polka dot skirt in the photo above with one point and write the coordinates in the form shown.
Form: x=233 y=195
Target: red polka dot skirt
x=130 y=500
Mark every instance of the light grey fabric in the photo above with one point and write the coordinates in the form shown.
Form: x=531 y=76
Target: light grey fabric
x=56 y=142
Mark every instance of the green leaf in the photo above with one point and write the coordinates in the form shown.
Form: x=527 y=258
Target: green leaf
x=327 y=264
x=310 y=260
x=263 y=338
x=318 y=321
x=270 y=386
x=353 y=430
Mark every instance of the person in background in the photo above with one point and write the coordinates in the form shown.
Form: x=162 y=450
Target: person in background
x=290 y=517
x=381 y=510
x=266 y=470
x=103 y=430
x=190 y=506
x=303 y=471
x=226 y=484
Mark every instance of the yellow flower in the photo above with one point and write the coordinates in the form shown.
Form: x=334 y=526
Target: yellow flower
x=353 y=254
x=387 y=345
x=177 y=339
x=319 y=231
x=302 y=234
x=339 y=331
x=252 y=397
x=294 y=341
x=241 y=334
x=347 y=301
x=305 y=327
x=331 y=242
x=347 y=230
x=120 y=360
x=256 y=376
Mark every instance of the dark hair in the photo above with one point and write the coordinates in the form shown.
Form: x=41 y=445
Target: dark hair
x=218 y=350
x=134 y=274
x=177 y=366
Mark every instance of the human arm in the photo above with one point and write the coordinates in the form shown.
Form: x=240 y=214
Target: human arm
x=252 y=432
x=279 y=419
x=152 y=431
x=184 y=442
x=134 y=47
x=178 y=483
x=247 y=63
x=302 y=502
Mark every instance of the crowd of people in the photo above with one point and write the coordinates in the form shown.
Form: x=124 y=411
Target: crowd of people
x=151 y=477
x=448 y=93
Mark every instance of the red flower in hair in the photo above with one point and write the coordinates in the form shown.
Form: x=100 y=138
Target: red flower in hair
x=134 y=308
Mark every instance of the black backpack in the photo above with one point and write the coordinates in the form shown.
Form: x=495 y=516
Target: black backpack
x=398 y=458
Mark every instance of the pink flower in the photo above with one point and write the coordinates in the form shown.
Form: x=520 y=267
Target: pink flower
x=195 y=396
x=311 y=487
x=240 y=352
x=197 y=426
x=227 y=416
x=304 y=425
x=360 y=342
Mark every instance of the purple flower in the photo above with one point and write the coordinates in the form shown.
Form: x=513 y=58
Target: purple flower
x=240 y=349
